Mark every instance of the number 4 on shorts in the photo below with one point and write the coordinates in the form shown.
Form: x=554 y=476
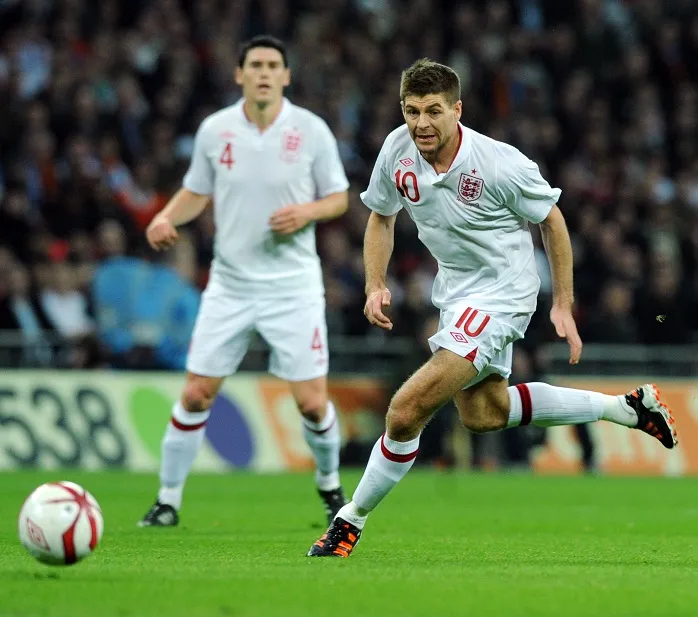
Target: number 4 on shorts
x=316 y=345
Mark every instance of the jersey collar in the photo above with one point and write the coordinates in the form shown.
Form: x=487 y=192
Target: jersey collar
x=283 y=112
x=463 y=148
x=461 y=154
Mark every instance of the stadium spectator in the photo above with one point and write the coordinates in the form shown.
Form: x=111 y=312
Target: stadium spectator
x=611 y=321
x=21 y=311
x=145 y=312
x=100 y=104
x=64 y=304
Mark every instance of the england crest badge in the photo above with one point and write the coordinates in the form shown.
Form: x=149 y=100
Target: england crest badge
x=469 y=188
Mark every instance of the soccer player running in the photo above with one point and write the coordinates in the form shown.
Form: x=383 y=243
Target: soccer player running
x=272 y=170
x=472 y=199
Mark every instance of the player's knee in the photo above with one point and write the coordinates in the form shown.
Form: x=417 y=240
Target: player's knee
x=198 y=396
x=483 y=419
x=481 y=424
x=405 y=417
x=401 y=424
x=312 y=407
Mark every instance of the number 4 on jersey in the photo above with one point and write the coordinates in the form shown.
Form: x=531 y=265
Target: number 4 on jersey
x=227 y=156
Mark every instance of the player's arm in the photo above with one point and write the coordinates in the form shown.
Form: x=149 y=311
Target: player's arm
x=190 y=200
x=558 y=248
x=381 y=197
x=378 y=247
x=529 y=195
x=184 y=206
x=293 y=218
x=330 y=207
x=331 y=186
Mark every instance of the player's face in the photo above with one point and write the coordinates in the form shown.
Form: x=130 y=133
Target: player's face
x=263 y=76
x=432 y=121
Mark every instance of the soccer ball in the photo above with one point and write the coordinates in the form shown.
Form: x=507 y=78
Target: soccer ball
x=60 y=523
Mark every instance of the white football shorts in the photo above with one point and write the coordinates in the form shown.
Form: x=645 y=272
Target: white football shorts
x=486 y=338
x=294 y=328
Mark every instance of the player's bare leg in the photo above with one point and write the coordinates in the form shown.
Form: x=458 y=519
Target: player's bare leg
x=321 y=430
x=491 y=405
x=413 y=405
x=180 y=445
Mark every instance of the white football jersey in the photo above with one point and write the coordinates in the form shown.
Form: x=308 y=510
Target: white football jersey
x=472 y=218
x=252 y=174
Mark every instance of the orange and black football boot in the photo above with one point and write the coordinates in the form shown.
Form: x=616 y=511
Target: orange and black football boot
x=338 y=541
x=653 y=416
x=333 y=501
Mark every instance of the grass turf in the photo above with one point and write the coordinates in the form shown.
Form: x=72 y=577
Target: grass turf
x=441 y=545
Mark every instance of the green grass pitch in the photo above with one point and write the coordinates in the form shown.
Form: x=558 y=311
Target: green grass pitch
x=442 y=544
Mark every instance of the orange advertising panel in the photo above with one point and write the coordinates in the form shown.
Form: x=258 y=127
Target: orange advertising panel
x=356 y=399
x=623 y=451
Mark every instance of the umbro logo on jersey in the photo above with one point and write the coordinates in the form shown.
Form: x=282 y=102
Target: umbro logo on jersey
x=457 y=336
x=406 y=162
x=469 y=188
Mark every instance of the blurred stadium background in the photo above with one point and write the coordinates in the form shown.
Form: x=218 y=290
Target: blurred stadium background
x=99 y=104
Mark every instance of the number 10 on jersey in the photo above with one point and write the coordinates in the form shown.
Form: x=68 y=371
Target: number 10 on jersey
x=406 y=185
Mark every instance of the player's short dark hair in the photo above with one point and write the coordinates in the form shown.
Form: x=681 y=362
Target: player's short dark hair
x=262 y=40
x=428 y=77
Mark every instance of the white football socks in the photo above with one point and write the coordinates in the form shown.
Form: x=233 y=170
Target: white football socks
x=616 y=410
x=545 y=405
x=389 y=462
x=181 y=444
x=324 y=440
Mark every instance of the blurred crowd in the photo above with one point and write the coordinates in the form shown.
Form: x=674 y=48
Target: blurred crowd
x=100 y=102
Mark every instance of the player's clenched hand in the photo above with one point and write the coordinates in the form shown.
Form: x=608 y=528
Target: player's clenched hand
x=566 y=328
x=376 y=301
x=289 y=219
x=161 y=233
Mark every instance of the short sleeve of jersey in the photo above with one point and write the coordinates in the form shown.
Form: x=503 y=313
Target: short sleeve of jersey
x=328 y=171
x=381 y=196
x=199 y=178
x=523 y=188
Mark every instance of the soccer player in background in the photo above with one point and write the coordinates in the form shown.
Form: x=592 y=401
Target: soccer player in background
x=472 y=199
x=271 y=170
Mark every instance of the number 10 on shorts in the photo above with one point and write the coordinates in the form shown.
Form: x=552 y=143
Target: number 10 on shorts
x=473 y=322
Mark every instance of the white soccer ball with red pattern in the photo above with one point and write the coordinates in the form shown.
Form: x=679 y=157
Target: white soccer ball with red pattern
x=60 y=523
